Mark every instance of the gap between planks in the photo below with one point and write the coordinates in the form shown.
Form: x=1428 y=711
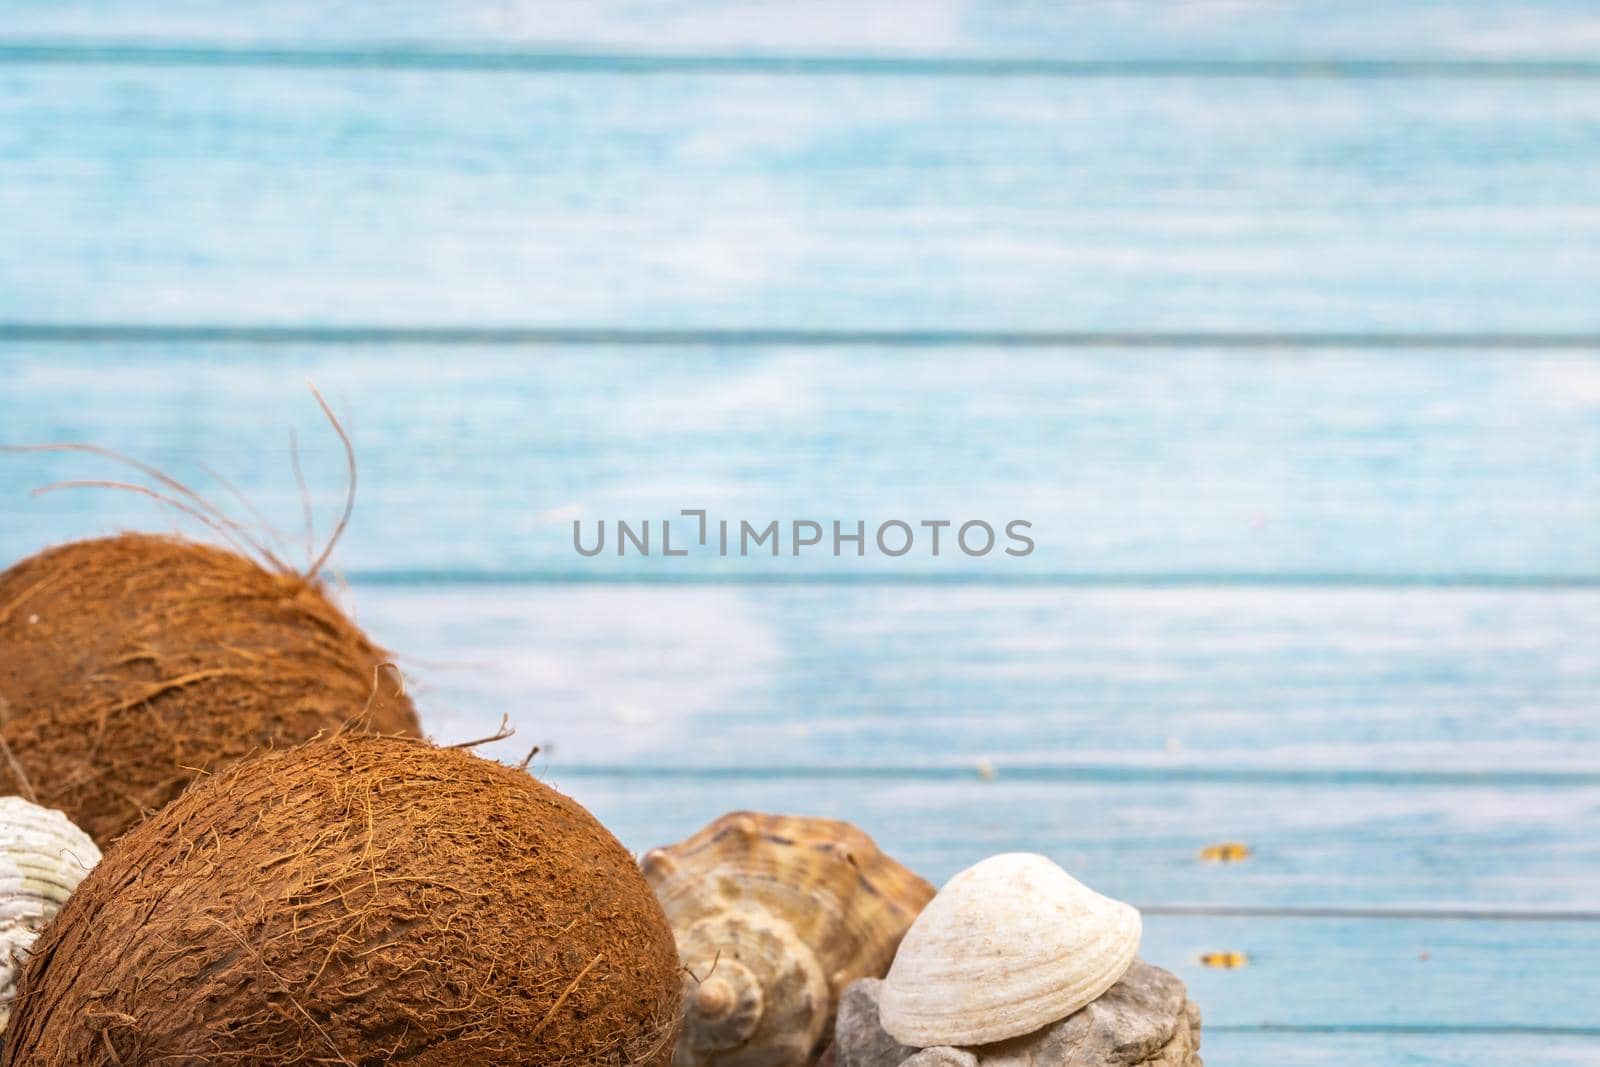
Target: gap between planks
x=1401 y=1028
x=1212 y=580
x=1237 y=911
x=411 y=57
x=1092 y=773
x=1281 y=343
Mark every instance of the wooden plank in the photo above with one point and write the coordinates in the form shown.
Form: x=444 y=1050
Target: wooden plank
x=703 y=201
x=936 y=28
x=1340 y=682
x=1385 y=973
x=1415 y=847
x=1164 y=465
x=1333 y=1049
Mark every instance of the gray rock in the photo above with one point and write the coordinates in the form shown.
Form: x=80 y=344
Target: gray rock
x=859 y=1039
x=1145 y=1020
x=941 y=1056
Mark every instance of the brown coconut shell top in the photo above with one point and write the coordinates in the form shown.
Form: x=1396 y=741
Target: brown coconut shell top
x=359 y=900
x=129 y=665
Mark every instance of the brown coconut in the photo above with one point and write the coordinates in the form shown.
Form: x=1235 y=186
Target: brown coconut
x=131 y=664
x=358 y=900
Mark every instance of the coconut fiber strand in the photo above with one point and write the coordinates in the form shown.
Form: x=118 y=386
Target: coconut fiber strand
x=131 y=664
x=359 y=900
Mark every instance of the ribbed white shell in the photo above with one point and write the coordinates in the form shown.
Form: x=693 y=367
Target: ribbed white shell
x=1008 y=946
x=43 y=857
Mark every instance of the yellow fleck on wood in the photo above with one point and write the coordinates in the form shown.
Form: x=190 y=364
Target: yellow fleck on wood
x=1225 y=852
x=1226 y=961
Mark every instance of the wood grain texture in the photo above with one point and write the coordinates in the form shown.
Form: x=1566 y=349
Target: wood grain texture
x=1097 y=30
x=1416 y=750
x=1415 y=848
x=1384 y=973
x=1334 y=682
x=175 y=194
x=1430 y=1048
x=1164 y=465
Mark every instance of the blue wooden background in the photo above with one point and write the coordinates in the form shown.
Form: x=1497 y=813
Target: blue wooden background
x=1280 y=321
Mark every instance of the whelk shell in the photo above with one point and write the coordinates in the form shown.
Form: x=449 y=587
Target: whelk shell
x=1007 y=947
x=774 y=916
x=43 y=857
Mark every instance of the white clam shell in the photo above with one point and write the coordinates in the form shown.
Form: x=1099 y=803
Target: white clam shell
x=43 y=857
x=1008 y=946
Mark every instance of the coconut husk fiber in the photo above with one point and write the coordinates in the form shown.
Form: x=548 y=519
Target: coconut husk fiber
x=358 y=900
x=129 y=665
